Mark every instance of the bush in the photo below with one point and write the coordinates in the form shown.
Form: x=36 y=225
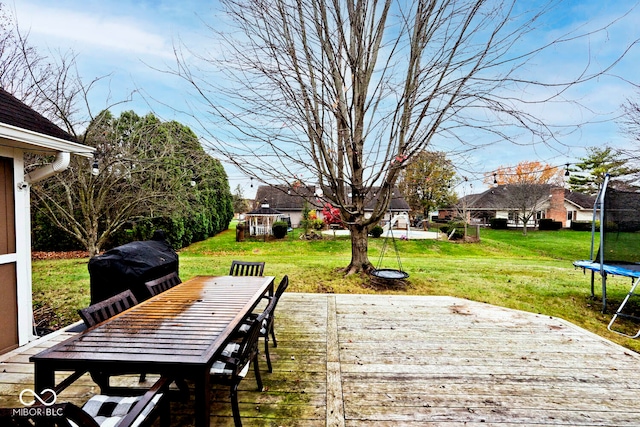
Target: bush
x=581 y=225
x=279 y=229
x=376 y=231
x=498 y=223
x=549 y=224
x=453 y=230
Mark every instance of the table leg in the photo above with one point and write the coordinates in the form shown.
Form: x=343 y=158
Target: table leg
x=44 y=378
x=202 y=400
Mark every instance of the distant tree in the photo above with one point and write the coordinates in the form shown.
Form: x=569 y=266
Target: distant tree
x=525 y=200
x=425 y=183
x=526 y=187
x=146 y=169
x=525 y=172
x=630 y=126
x=240 y=204
x=588 y=174
x=22 y=69
x=48 y=82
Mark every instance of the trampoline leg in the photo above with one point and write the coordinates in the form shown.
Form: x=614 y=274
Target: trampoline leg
x=627 y=316
x=604 y=292
x=593 y=293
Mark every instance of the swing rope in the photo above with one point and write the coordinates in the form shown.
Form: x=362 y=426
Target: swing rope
x=384 y=249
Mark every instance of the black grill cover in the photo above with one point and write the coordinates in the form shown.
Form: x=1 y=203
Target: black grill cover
x=128 y=267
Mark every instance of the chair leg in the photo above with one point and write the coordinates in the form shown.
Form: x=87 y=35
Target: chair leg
x=235 y=408
x=165 y=413
x=256 y=370
x=266 y=352
x=273 y=335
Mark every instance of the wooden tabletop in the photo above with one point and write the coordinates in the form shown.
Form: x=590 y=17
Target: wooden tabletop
x=185 y=324
x=179 y=331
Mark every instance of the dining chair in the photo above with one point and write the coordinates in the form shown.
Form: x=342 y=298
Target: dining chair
x=246 y=268
x=232 y=366
x=138 y=408
x=267 y=327
x=163 y=283
x=103 y=310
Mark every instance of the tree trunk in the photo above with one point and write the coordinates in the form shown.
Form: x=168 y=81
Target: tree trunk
x=93 y=249
x=525 y=221
x=359 y=250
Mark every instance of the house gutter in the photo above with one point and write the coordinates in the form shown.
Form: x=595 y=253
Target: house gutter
x=60 y=164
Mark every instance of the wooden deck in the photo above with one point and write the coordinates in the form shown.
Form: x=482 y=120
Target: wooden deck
x=371 y=360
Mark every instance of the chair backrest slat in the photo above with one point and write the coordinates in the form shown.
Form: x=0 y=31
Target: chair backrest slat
x=103 y=310
x=163 y=283
x=246 y=268
x=284 y=284
x=270 y=315
x=249 y=344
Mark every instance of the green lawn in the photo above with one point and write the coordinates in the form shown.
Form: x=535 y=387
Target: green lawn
x=532 y=272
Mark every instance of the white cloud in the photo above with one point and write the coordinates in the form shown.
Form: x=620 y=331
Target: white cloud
x=87 y=30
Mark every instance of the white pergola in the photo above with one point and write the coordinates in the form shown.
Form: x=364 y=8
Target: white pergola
x=261 y=220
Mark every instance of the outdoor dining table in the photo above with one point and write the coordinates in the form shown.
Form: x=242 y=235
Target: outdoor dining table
x=179 y=332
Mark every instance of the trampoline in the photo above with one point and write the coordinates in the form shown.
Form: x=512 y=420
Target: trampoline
x=616 y=232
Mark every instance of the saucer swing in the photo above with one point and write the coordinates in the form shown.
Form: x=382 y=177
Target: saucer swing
x=389 y=276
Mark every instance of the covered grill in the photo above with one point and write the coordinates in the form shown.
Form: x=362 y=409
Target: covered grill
x=129 y=266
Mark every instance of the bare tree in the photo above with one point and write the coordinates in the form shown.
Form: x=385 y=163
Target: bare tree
x=525 y=188
x=346 y=93
x=144 y=168
x=525 y=199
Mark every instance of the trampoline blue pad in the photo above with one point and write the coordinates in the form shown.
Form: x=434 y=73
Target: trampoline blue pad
x=622 y=269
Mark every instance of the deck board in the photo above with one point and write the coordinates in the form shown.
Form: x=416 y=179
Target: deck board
x=374 y=360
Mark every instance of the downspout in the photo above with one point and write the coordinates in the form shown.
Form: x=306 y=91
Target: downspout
x=60 y=164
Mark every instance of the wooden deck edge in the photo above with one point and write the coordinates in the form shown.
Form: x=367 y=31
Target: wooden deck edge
x=593 y=335
x=37 y=341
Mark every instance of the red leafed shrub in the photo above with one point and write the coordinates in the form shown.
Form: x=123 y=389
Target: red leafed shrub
x=331 y=215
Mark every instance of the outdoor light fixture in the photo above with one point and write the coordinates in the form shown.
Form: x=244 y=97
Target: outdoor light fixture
x=95 y=170
x=566 y=171
x=495 y=180
x=251 y=182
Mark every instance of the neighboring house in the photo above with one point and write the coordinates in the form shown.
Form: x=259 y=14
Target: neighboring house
x=23 y=131
x=290 y=201
x=562 y=205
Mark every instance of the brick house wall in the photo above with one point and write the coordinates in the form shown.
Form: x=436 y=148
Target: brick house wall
x=557 y=210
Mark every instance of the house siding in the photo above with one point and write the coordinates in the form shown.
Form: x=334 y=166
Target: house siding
x=8 y=278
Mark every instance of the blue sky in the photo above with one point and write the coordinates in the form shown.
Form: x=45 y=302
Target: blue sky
x=129 y=40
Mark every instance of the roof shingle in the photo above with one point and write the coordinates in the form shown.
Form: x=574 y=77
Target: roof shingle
x=16 y=113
